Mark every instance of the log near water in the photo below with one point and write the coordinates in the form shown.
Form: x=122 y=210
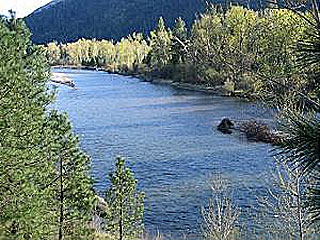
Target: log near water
x=61 y=78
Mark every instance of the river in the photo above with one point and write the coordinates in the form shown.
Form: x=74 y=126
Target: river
x=170 y=139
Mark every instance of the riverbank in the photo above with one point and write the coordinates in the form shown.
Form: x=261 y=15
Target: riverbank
x=217 y=90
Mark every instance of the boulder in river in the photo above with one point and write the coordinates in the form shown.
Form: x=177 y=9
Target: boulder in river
x=225 y=126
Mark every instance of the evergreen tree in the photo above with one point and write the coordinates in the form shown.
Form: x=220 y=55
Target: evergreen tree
x=25 y=165
x=179 y=38
x=299 y=109
x=38 y=153
x=160 y=43
x=125 y=204
x=72 y=184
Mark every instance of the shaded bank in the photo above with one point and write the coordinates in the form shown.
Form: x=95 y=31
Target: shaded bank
x=217 y=90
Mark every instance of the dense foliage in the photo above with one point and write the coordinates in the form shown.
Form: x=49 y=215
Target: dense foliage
x=241 y=45
x=46 y=192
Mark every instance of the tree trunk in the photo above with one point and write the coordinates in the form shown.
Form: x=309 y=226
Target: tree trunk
x=121 y=220
x=299 y=209
x=61 y=200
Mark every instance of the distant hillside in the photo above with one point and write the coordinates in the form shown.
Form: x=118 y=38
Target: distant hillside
x=69 y=20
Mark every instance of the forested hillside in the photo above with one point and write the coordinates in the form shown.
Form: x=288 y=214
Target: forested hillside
x=69 y=20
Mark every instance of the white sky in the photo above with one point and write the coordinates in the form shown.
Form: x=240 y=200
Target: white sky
x=21 y=7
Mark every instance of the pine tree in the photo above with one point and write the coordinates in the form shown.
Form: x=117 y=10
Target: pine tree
x=160 y=43
x=25 y=165
x=300 y=149
x=72 y=184
x=180 y=36
x=38 y=153
x=125 y=204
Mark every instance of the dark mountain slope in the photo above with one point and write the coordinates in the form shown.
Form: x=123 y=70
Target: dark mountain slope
x=69 y=20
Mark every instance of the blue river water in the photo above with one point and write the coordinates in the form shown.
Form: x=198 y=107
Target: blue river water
x=170 y=139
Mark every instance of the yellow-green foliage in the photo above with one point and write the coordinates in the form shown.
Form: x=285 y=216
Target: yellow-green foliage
x=127 y=54
x=104 y=236
x=241 y=42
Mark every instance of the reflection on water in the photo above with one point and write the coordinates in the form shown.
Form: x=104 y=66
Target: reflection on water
x=170 y=140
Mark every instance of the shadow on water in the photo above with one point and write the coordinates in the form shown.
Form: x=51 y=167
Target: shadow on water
x=170 y=139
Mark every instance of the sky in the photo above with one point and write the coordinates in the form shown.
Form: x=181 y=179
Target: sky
x=21 y=7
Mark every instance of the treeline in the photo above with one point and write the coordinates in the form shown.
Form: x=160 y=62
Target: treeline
x=124 y=56
x=240 y=47
x=233 y=48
